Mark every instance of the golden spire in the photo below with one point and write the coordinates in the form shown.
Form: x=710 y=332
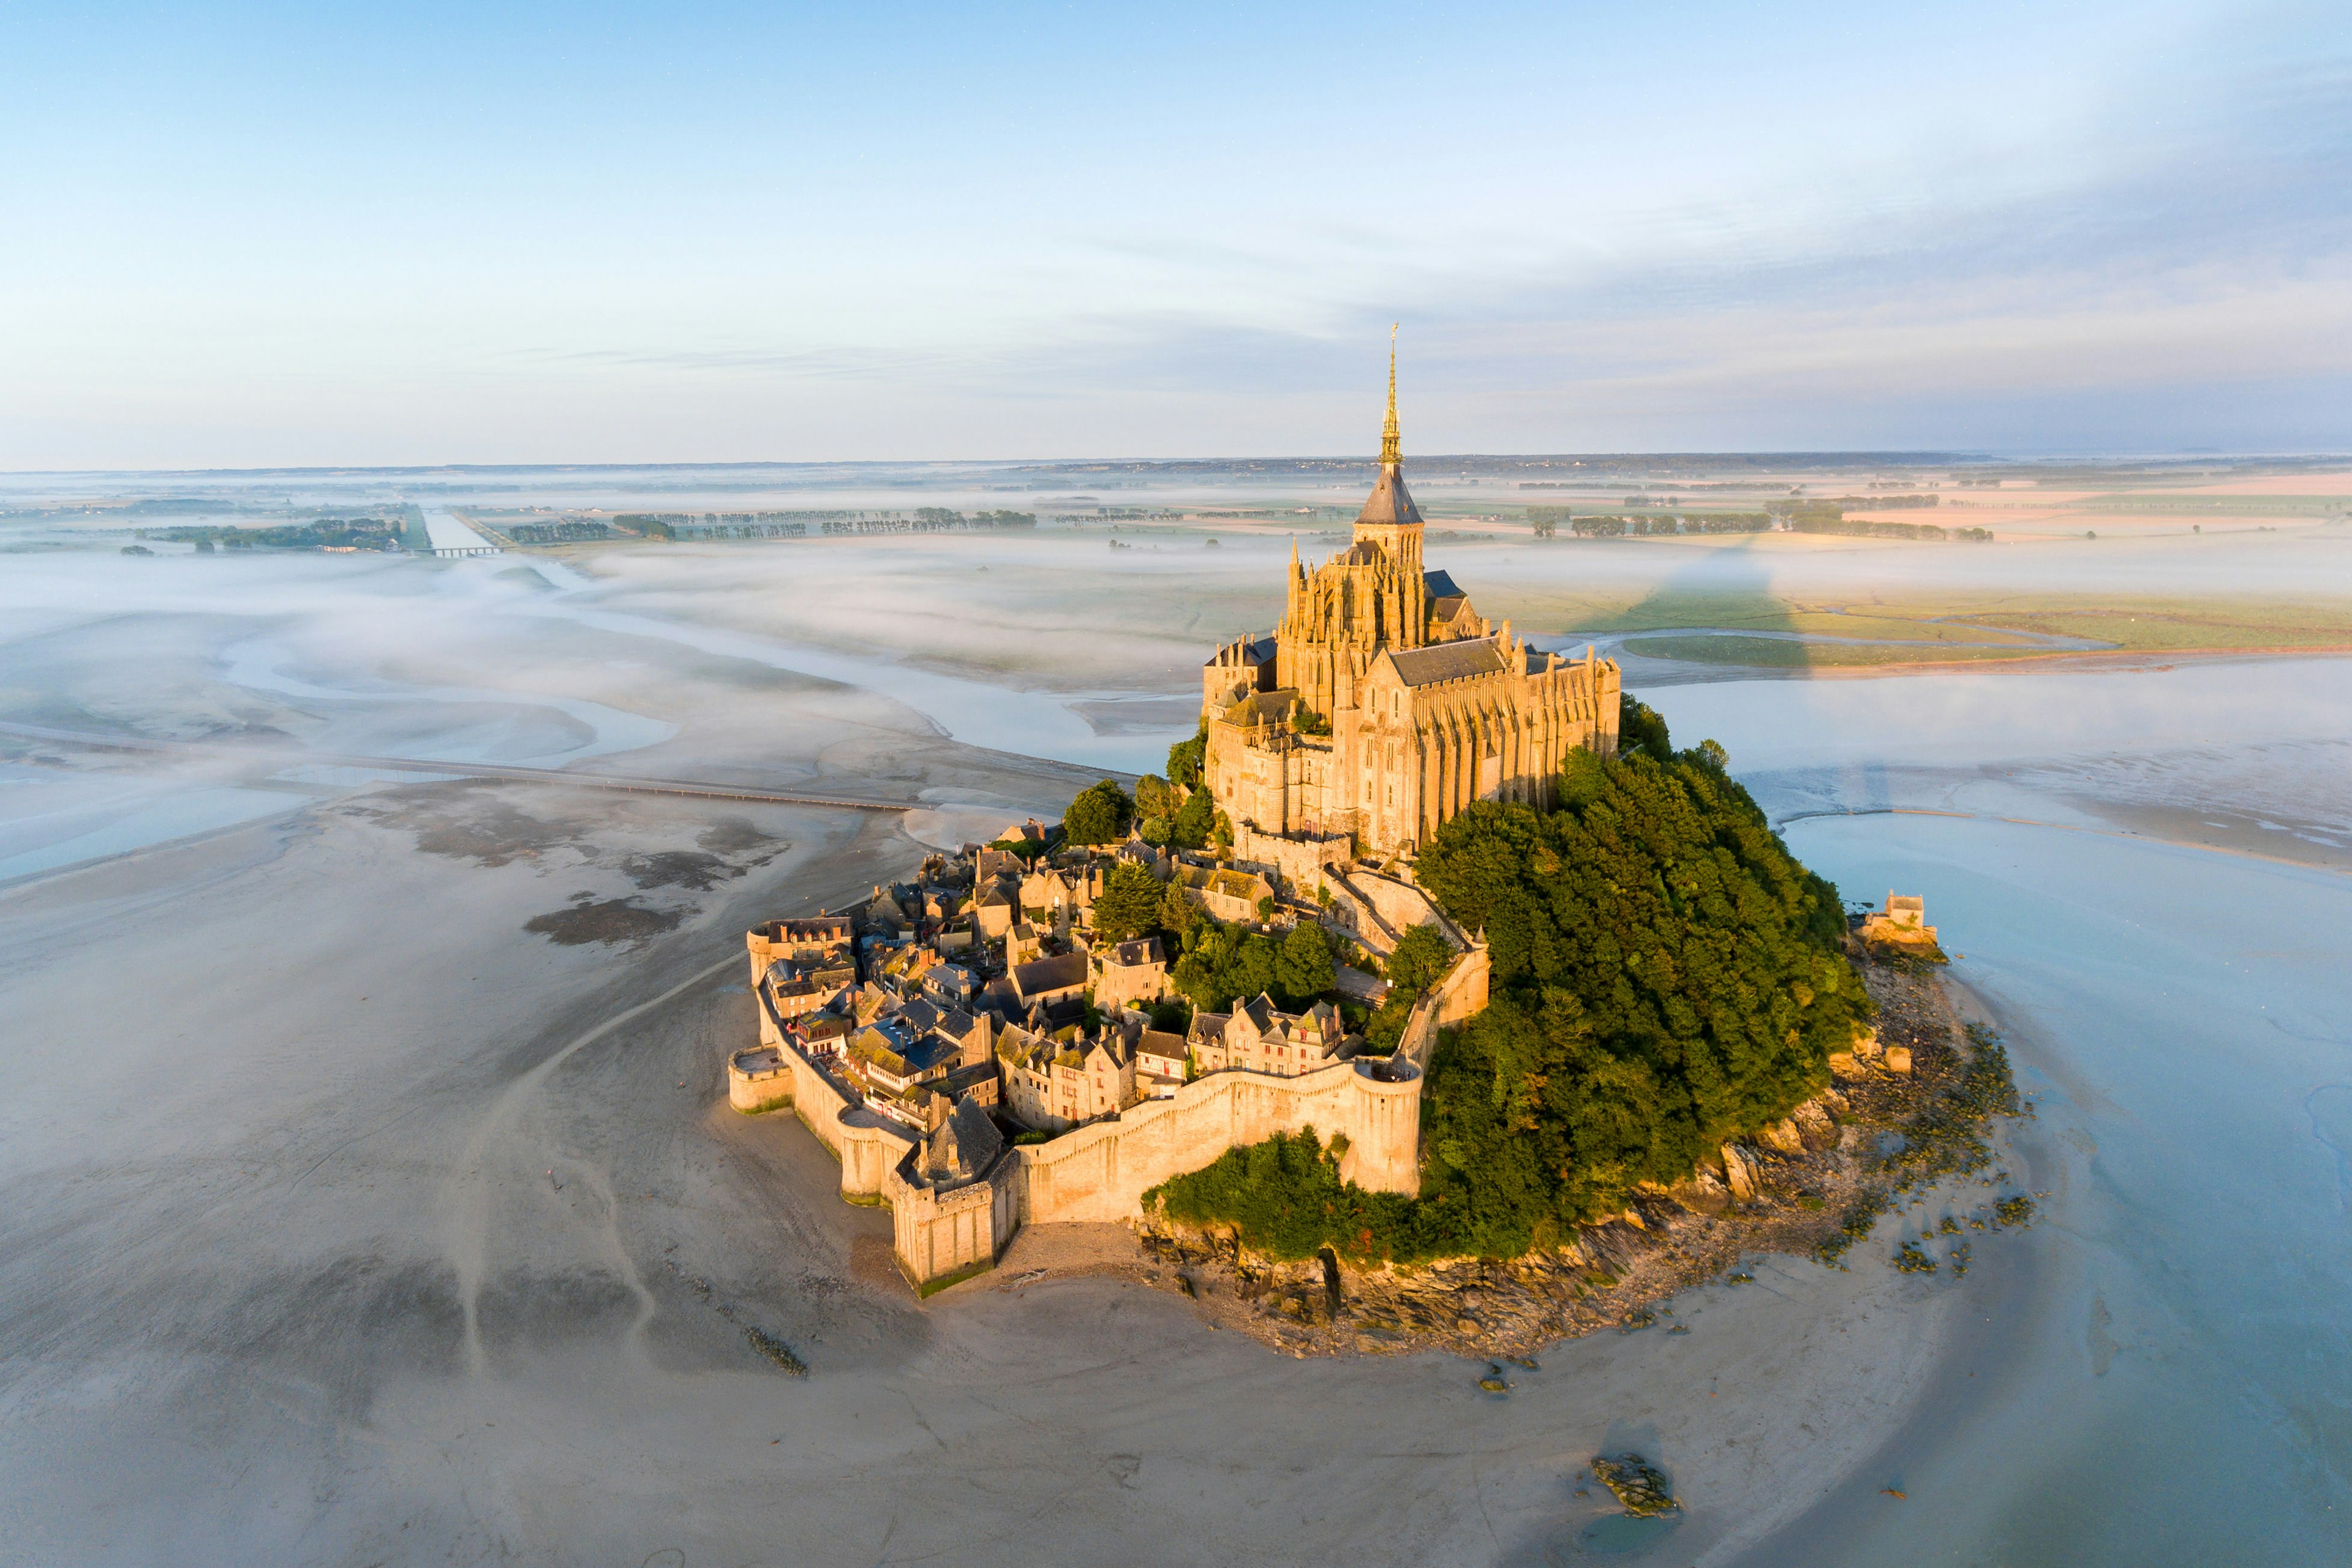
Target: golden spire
x=1390 y=454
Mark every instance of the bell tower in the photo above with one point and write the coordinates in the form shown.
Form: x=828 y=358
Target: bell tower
x=1391 y=524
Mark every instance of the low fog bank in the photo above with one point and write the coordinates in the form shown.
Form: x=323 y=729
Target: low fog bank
x=262 y=659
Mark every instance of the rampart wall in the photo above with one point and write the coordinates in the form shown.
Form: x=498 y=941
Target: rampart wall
x=1296 y=863
x=1400 y=904
x=1462 y=992
x=1101 y=1170
x=779 y=1074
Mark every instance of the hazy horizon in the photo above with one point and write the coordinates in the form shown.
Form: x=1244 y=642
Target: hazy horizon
x=1367 y=461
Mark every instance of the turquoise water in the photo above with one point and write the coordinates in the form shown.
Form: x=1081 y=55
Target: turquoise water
x=2168 y=1379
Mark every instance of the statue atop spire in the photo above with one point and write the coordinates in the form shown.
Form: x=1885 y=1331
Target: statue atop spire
x=1389 y=453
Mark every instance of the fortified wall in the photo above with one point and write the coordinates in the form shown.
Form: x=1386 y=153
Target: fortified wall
x=1098 y=1171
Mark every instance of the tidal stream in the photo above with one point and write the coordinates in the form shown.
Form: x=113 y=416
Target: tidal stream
x=2164 y=1377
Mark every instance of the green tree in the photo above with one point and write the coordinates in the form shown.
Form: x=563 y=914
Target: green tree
x=1129 y=904
x=1179 y=915
x=1184 y=758
x=1665 y=978
x=1155 y=797
x=1099 y=814
x=1225 y=963
x=1582 y=777
x=1194 y=822
x=1423 y=956
x=1639 y=728
x=1303 y=971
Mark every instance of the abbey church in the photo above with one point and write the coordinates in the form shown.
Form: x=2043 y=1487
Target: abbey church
x=1383 y=704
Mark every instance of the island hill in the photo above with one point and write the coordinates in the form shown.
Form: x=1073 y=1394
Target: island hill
x=1452 y=903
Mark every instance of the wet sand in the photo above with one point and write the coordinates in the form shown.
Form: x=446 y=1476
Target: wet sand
x=344 y=1218
x=347 y=1222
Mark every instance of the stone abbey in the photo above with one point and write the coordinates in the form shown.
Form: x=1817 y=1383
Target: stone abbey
x=1383 y=704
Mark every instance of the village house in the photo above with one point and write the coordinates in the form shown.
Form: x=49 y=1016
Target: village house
x=952 y=985
x=815 y=944
x=1902 y=919
x=889 y=1059
x=1155 y=860
x=1056 y=1081
x=1159 y=1059
x=1226 y=894
x=995 y=908
x=1024 y=943
x=1258 y=1037
x=934 y=1097
x=1047 y=981
x=1057 y=897
x=798 y=986
x=823 y=1036
x=1129 y=973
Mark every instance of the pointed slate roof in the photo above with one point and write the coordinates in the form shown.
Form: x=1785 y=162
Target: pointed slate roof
x=1389 y=503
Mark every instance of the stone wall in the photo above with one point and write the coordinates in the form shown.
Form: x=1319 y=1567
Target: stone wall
x=779 y=1073
x=1400 y=904
x=935 y=1233
x=1099 y=1172
x=1462 y=992
x=1296 y=862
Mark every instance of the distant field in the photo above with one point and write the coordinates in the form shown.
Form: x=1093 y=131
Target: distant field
x=1775 y=653
x=2006 y=627
x=2157 y=627
x=1752 y=612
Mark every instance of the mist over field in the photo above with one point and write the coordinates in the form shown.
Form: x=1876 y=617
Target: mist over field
x=423 y=1150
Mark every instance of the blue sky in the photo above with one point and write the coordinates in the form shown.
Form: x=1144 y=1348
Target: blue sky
x=246 y=235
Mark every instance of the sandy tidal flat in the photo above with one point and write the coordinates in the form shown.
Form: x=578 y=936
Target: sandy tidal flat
x=351 y=1210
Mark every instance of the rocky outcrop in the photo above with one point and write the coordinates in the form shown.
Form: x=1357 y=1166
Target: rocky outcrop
x=1740 y=1172
x=1639 y=1485
x=1796 y=1188
x=1816 y=1128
